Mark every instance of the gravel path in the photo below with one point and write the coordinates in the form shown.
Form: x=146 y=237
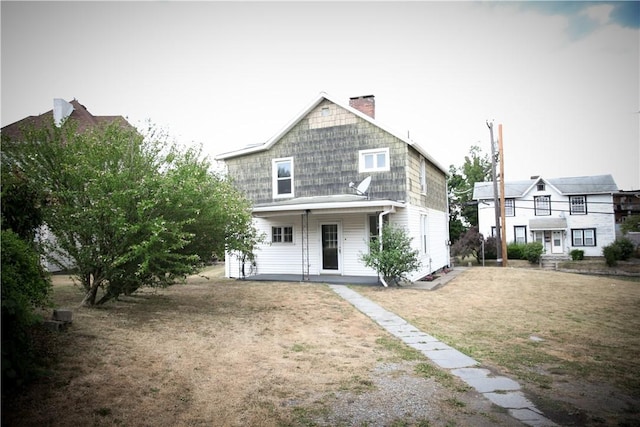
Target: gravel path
x=399 y=397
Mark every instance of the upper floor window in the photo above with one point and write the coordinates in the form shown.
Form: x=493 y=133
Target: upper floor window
x=376 y=160
x=282 y=234
x=509 y=207
x=578 y=205
x=542 y=205
x=423 y=176
x=283 y=177
x=540 y=186
x=583 y=237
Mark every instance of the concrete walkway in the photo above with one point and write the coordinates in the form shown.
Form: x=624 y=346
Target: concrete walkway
x=502 y=391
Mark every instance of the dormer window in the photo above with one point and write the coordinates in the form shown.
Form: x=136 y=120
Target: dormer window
x=376 y=160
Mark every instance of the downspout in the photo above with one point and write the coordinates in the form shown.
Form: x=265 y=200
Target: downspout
x=392 y=209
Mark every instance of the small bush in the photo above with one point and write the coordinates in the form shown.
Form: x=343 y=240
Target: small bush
x=611 y=254
x=515 y=250
x=577 y=254
x=626 y=248
x=490 y=250
x=396 y=258
x=533 y=251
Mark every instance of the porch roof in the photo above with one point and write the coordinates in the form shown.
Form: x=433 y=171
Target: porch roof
x=343 y=203
x=539 y=224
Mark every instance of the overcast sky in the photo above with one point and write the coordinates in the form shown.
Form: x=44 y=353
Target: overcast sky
x=562 y=78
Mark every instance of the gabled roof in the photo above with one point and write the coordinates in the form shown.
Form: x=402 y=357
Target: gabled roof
x=254 y=148
x=597 y=184
x=80 y=114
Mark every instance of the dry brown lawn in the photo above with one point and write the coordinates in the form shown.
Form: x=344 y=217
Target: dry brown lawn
x=585 y=370
x=229 y=353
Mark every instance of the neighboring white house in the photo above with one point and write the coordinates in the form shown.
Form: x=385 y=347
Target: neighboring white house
x=304 y=187
x=562 y=213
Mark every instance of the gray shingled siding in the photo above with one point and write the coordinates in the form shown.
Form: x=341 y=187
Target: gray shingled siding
x=325 y=161
x=436 y=184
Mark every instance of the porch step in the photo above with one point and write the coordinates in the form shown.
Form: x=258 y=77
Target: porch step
x=549 y=262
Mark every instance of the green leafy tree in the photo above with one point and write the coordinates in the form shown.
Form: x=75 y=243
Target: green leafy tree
x=631 y=223
x=127 y=210
x=395 y=258
x=25 y=287
x=463 y=213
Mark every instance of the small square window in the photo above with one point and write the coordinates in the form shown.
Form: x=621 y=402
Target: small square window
x=376 y=160
x=540 y=186
x=282 y=234
x=325 y=112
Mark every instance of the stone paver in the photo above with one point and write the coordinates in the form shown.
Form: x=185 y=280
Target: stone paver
x=501 y=391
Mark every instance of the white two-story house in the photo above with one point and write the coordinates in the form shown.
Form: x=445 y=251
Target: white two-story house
x=323 y=186
x=562 y=213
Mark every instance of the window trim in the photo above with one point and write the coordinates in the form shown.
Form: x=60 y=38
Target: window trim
x=584 y=204
x=361 y=160
x=515 y=233
x=373 y=235
x=583 y=238
x=539 y=211
x=424 y=233
x=513 y=207
x=275 y=179
x=423 y=176
x=282 y=234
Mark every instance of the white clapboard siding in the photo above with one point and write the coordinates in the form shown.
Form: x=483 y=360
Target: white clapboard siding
x=287 y=258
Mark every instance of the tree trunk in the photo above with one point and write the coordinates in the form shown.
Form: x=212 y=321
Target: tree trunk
x=90 y=297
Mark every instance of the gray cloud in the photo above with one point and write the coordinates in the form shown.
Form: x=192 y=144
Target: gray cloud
x=624 y=13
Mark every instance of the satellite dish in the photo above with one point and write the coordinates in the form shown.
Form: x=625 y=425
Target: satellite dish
x=364 y=185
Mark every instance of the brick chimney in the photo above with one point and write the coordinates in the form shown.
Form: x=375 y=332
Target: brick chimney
x=365 y=104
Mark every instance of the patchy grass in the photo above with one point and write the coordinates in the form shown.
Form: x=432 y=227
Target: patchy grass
x=588 y=326
x=223 y=352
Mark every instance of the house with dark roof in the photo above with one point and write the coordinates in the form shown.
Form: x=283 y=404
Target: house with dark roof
x=322 y=187
x=62 y=111
x=561 y=213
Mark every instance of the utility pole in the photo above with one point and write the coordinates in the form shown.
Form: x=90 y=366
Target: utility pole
x=503 y=216
x=496 y=201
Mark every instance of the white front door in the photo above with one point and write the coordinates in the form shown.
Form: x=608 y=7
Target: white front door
x=556 y=242
x=331 y=248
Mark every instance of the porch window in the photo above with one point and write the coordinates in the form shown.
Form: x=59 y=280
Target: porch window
x=282 y=234
x=509 y=207
x=374 y=229
x=542 y=205
x=520 y=233
x=376 y=160
x=578 y=205
x=283 y=177
x=583 y=237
